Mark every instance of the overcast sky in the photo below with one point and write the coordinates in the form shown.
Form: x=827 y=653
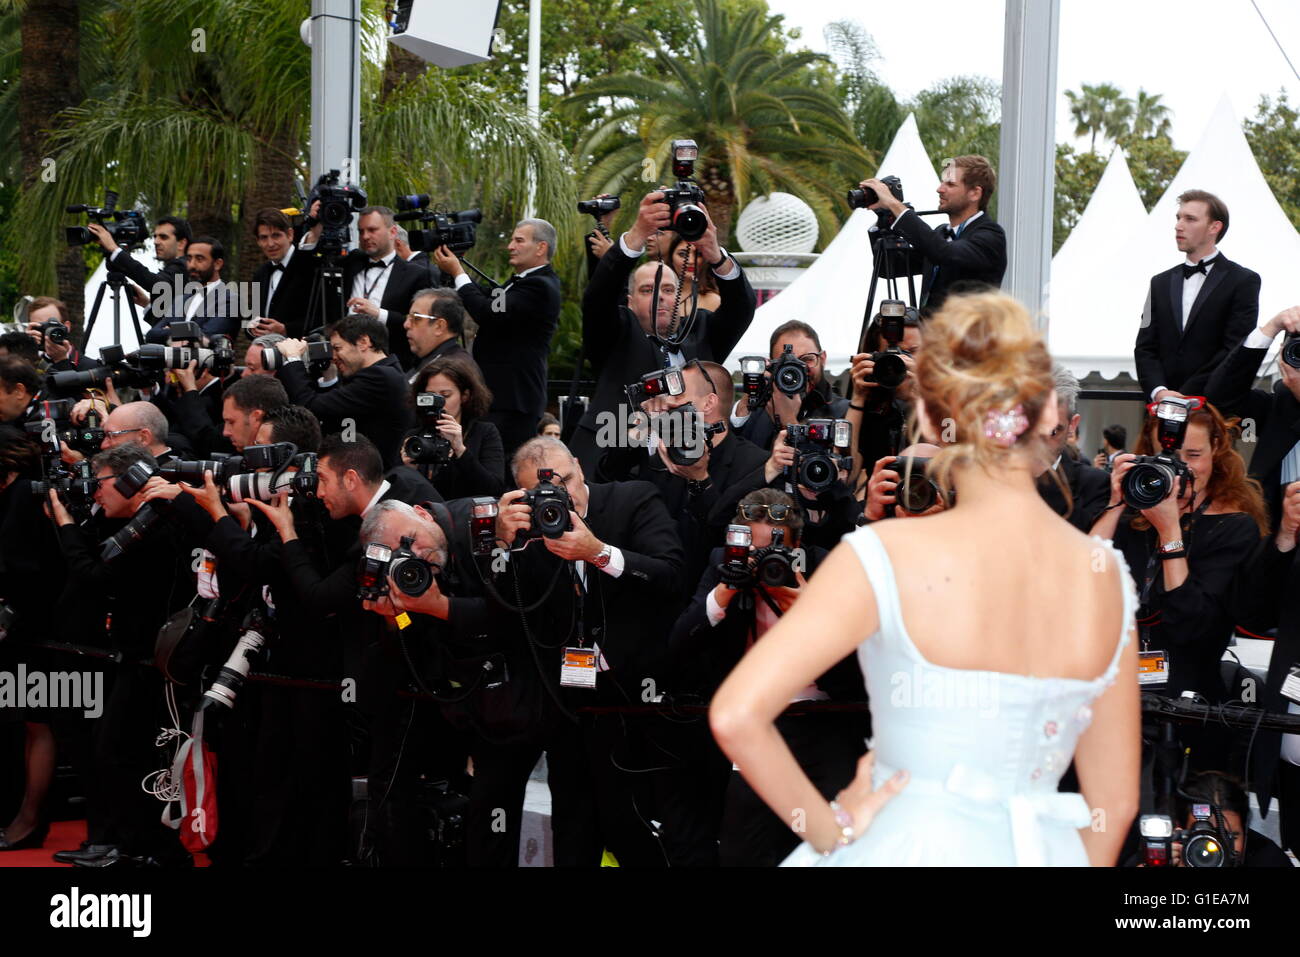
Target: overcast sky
x=1189 y=51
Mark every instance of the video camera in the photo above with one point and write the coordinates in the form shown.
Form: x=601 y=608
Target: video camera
x=379 y=564
x=127 y=227
x=1154 y=477
x=816 y=466
x=429 y=446
x=455 y=230
x=337 y=204
x=599 y=206
x=685 y=199
x=550 y=504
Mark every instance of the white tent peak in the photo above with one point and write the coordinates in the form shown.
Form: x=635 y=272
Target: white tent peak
x=1115 y=209
x=831 y=294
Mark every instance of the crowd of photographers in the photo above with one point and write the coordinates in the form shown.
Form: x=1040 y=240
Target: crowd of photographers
x=366 y=551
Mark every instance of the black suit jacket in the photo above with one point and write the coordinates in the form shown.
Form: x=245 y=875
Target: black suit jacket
x=218 y=315
x=620 y=352
x=376 y=398
x=1181 y=356
x=626 y=616
x=704 y=654
x=450 y=347
x=148 y=279
x=1089 y=492
x=292 y=294
x=979 y=254
x=404 y=281
x=1276 y=417
x=513 y=343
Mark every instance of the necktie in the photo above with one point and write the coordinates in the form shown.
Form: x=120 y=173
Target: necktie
x=277 y=267
x=376 y=264
x=1201 y=267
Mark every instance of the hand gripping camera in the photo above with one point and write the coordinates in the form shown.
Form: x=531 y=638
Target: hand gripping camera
x=685 y=199
x=659 y=382
x=127 y=227
x=890 y=371
x=772 y=567
x=380 y=564
x=916 y=490
x=429 y=446
x=816 y=464
x=1153 y=477
x=788 y=374
x=337 y=204
x=551 y=505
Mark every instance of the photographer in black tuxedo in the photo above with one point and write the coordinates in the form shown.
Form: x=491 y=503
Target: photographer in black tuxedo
x=515 y=325
x=377 y=282
x=598 y=587
x=620 y=339
x=372 y=391
x=730 y=612
x=171 y=240
x=1199 y=310
x=284 y=287
x=1274 y=415
x=969 y=247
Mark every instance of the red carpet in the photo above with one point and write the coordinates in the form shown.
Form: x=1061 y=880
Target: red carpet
x=63 y=836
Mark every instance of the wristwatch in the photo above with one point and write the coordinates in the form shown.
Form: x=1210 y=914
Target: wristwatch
x=1174 y=546
x=720 y=263
x=602 y=560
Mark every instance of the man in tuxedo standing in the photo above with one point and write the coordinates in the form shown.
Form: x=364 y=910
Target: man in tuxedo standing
x=377 y=281
x=283 y=285
x=171 y=240
x=515 y=325
x=970 y=247
x=1199 y=310
x=619 y=338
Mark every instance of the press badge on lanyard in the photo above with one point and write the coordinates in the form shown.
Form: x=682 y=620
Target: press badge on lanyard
x=1291 y=684
x=1153 y=668
x=578 y=669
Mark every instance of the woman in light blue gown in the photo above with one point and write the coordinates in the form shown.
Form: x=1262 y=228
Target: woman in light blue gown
x=996 y=642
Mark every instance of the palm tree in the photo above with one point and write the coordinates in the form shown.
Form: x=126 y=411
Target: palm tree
x=1151 y=118
x=874 y=110
x=224 y=131
x=1099 y=108
x=760 y=122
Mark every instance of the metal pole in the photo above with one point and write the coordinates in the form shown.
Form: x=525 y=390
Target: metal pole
x=534 y=89
x=336 y=88
x=1026 y=178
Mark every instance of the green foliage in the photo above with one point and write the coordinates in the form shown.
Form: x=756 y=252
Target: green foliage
x=1274 y=137
x=1077 y=176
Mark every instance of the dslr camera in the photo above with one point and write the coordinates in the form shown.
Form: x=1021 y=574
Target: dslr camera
x=917 y=491
x=127 y=227
x=455 y=230
x=380 y=564
x=772 y=567
x=685 y=199
x=890 y=371
x=1291 y=351
x=429 y=446
x=816 y=463
x=1153 y=477
x=684 y=433
x=551 y=505
x=787 y=372
x=659 y=382
x=337 y=204
x=319 y=354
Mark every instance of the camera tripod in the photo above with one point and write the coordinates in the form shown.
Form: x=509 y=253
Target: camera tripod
x=117 y=282
x=893 y=258
x=326 y=292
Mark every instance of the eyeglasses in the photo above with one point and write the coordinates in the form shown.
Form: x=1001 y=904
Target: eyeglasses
x=776 y=512
x=421 y=315
x=123 y=431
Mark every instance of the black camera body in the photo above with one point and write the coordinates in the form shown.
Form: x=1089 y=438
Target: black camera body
x=550 y=504
x=1207 y=842
x=774 y=565
x=86 y=438
x=75 y=485
x=685 y=199
x=863 y=197
x=599 y=206
x=816 y=464
x=127 y=227
x=458 y=231
x=1291 y=351
x=1154 y=477
x=380 y=564
x=54 y=331
x=917 y=491
x=428 y=447
x=889 y=371
x=337 y=204
x=789 y=373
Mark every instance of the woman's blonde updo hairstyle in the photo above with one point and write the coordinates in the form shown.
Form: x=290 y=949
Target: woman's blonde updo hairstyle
x=982 y=354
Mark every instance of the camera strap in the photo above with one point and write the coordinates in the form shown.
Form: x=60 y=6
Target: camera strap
x=378 y=276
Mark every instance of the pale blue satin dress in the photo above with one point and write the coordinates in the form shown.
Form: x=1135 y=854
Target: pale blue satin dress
x=984 y=749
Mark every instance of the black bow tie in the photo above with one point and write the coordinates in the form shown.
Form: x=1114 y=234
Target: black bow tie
x=1201 y=267
x=277 y=267
x=376 y=264
x=515 y=278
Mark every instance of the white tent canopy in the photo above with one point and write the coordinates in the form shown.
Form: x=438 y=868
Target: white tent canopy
x=831 y=294
x=1097 y=333
x=1086 y=259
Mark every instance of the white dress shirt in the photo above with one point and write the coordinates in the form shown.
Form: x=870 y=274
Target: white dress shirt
x=276 y=276
x=371 y=283
x=1191 y=289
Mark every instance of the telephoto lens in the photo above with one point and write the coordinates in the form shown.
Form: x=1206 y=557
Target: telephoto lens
x=225 y=688
x=1147 y=484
